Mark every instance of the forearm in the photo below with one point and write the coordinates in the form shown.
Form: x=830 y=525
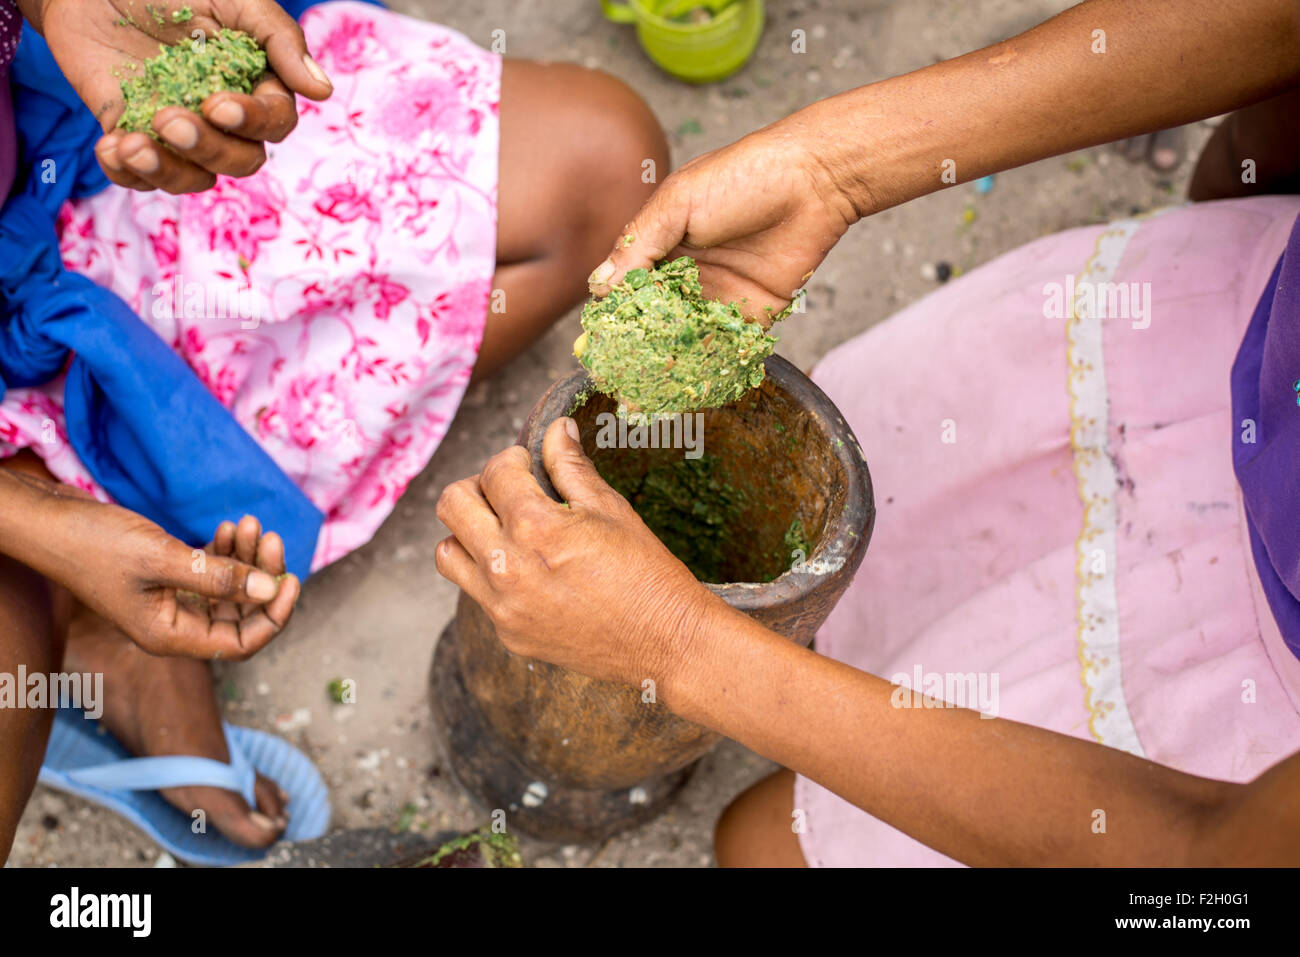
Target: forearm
x=984 y=791
x=1046 y=92
x=34 y=527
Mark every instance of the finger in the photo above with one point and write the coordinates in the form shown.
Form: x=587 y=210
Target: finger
x=508 y=484
x=270 y=554
x=268 y=113
x=247 y=534
x=213 y=576
x=106 y=151
x=223 y=544
x=266 y=621
x=161 y=167
x=198 y=142
x=571 y=472
x=286 y=49
x=458 y=566
x=658 y=228
x=464 y=510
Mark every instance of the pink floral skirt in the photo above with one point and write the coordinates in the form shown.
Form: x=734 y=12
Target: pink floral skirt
x=334 y=301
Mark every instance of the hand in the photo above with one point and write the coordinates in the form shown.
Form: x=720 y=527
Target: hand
x=758 y=216
x=586 y=585
x=94 y=45
x=168 y=598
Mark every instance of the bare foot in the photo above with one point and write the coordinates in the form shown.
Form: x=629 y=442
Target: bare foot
x=164 y=706
x=1163 y=150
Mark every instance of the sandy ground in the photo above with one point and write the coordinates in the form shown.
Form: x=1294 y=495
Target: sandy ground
x=375 y=616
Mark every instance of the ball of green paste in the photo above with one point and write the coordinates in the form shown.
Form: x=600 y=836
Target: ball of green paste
x=658 y=346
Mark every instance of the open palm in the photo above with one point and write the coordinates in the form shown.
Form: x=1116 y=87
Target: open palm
x=97 y=43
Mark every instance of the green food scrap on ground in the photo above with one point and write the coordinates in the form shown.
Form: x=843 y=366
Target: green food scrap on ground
x=482 y=848
x=658 y=346
x=187 y=73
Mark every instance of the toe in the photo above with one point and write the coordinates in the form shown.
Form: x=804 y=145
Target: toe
x=228 y=813
x=272 y=801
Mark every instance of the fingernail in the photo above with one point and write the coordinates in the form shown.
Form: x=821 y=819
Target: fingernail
x=259 y=586
x=284 y=796
x=110 y=158
x=281 y=822
x=227 y=114
x=317 y=73
x=572 y=428
x=145 y=161
x=180 y=133
x=602 y=272
x=262 y=821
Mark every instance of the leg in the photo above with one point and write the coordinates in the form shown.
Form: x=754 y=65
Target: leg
x=755 y=830
x=28 y=636
x=153 y=706
x=1264 y=133
x=573 y=145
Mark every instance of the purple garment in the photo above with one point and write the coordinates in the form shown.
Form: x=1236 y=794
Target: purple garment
x=1266 y=449
x=11 y=28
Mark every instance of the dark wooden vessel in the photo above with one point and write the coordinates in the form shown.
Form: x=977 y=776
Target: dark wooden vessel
x=573 y=759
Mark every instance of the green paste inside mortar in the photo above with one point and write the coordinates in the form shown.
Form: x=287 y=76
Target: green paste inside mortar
x=699 y=515
x=657 y=345
x=188 y=73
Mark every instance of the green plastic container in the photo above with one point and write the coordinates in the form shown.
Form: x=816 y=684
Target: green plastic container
x=694 y=52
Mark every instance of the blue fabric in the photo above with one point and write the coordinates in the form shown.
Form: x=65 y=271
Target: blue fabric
x=140 y=421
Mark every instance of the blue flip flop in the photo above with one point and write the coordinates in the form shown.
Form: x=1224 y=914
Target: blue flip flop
x=87 y=761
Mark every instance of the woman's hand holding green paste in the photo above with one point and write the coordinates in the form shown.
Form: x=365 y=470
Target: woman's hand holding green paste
x=757 y=216
x=101 y=43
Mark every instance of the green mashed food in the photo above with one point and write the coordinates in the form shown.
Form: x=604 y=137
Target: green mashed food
x=658 y=346
x=189 y=72
x=699 y=516
x=482 y=848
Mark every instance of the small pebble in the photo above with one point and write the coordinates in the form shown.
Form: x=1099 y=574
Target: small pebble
x=929 y=271
x=942 y=271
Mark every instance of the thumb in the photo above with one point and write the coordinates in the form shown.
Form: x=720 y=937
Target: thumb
x=657 y=230
x=216 y=576
x=286 y=48
x=571 y=472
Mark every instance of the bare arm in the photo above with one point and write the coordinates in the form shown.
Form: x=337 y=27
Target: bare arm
x=983 y=791
x=761 y=214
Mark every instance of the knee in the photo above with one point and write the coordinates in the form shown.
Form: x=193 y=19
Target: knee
x=625 y=154
x=755 y=831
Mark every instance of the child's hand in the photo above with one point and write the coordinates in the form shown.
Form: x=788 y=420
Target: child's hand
x=94 y=41
x=224 y=601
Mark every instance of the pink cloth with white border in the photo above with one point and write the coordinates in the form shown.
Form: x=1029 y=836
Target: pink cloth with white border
x=335 y=300
x=1136 y=621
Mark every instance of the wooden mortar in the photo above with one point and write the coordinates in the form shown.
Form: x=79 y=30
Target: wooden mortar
x=573 y=759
